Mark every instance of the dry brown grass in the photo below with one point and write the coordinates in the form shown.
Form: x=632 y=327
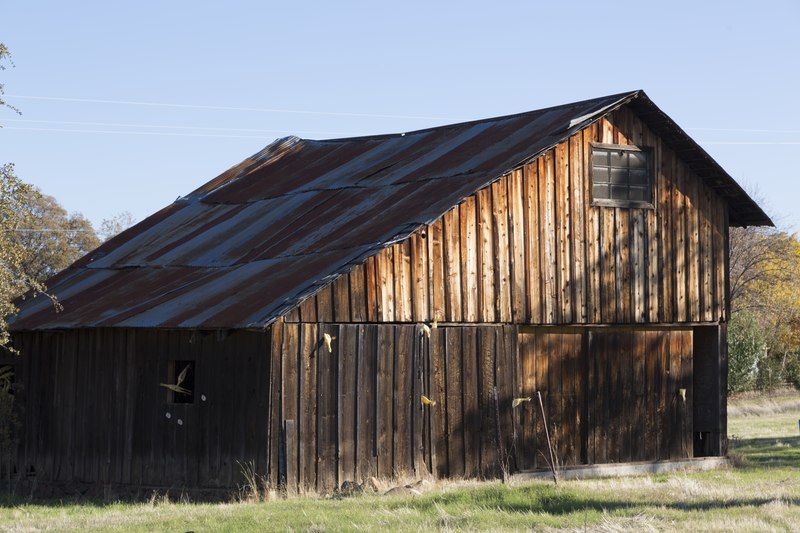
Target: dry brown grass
x=760 y=404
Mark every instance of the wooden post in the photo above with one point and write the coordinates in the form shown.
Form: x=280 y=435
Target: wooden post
x=291 y=466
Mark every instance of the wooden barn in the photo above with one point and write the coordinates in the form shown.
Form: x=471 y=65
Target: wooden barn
x=290 y=314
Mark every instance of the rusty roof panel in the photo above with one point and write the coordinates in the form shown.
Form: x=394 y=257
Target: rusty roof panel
x=250 y=244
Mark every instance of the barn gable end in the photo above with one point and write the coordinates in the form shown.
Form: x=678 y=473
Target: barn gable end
x=531 y=249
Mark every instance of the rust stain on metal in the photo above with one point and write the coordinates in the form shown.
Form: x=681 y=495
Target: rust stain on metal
x=253 y=242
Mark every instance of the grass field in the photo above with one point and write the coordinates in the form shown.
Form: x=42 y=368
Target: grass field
x=762 y=493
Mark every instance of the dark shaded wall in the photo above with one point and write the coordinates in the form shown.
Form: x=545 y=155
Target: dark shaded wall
x=94 y=411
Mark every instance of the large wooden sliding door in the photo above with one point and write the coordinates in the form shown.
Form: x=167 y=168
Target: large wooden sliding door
x=610 y=395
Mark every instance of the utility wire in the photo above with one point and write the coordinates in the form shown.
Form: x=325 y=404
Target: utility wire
x=51 y=230
x=308 y=112
x=219 y=136
x=157 y=133
x=222 y=108
x=166 y=126
x=743 y=130
x=764 y=143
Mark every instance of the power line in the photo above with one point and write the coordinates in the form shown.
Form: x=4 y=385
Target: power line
x=308 y=112
x=175 y=134
x=764 y=143
x=157 y=133
x=222 y=108
x=166 y=126
x=744 y=130
x=50 y=230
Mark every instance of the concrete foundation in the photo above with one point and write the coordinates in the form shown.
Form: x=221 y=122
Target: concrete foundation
x=626 y=469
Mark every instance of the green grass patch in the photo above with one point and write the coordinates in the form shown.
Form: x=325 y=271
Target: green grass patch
x=762 y=494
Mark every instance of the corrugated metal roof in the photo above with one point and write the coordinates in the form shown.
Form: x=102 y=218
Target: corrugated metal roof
x=252 y=243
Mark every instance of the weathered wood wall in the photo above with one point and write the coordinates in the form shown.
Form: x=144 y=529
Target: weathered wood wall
x=94 y=412
x=304 y=417
x=309 y=418
x=356 y=411
x=611 y=395
x=530 y=249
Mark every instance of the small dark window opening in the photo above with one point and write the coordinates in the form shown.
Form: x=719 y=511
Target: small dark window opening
x=622 y=176
x=181 y=381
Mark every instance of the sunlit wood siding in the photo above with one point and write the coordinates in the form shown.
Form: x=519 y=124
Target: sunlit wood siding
x=531 y=249
x=355 y=411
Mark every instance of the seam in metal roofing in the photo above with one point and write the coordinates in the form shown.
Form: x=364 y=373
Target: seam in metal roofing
x=251 y=244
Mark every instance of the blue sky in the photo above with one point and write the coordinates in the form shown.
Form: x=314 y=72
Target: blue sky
x=127 y=106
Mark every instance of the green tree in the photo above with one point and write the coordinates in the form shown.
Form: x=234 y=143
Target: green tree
x=115 y=225
x=765 y=288
x=5 y=59
x=51 y=238
x=14 y=279
x=746 y=347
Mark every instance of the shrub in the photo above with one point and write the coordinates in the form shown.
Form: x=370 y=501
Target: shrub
x=746 y=347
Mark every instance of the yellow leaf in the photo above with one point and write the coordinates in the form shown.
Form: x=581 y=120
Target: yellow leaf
x=427 y=401
x=518 y=401
x=175 y=388
x=182 y=375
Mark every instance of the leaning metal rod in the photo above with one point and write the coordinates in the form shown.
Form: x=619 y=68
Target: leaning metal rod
x=501 y=457
x=547 y=434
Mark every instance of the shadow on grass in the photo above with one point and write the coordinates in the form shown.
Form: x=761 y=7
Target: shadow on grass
x=538 y=499
x=779 y=452
x=758 y=453
x=155 y=497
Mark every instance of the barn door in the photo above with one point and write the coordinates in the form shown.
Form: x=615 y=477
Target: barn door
x=553 y=362
x=610 y=395
x=640 y=394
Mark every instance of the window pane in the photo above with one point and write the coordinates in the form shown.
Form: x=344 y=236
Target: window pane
x=638 y=160
x=639 y=177
x=619 y=175
x=618 y=158
x=619 y=192
x=641 y=194
x=600 y=175
x=600 y=192
x=599 y=157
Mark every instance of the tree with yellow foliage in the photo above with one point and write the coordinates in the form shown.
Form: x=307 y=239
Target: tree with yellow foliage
x=765 y=304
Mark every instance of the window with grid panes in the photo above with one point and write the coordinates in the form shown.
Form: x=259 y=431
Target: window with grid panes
x=622 y=176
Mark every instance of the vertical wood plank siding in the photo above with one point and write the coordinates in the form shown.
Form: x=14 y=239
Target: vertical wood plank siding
x=611 y=395
x=369 y=418
x=530 y=249
x=304 y=417
x=94 y=411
